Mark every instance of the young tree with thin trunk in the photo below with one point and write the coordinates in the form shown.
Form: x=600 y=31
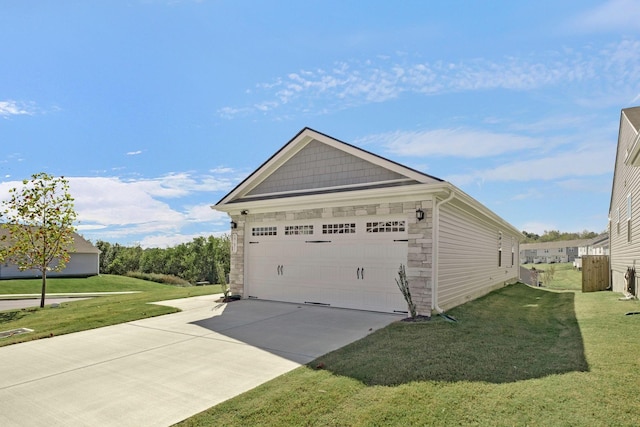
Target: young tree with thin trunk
x=39 y=219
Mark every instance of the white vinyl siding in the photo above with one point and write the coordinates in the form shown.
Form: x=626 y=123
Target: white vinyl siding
x=80 y=264
x=467 y=257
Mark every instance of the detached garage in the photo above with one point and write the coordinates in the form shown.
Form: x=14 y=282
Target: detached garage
x=84 y=262
x=326 y=223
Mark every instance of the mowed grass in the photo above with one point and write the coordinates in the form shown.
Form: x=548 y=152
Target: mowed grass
x=565 y=277
x=92 y=313
x=519 y=356
x=102 y=283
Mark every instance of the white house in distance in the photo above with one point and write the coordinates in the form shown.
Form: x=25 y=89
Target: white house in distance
x=550 y=252
x=624 y=207
x=599 y=245
x=324 y=222
x=84 y=262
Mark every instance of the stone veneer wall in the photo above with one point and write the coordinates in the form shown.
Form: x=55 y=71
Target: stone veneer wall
x=419 y=246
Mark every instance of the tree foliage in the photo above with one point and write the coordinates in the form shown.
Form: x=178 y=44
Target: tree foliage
x=39 y=219
x=195 y=261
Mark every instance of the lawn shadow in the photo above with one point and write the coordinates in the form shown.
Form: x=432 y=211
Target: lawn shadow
x=516 y=333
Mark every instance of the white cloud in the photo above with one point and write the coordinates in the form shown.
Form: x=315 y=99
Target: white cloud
x=169 y=240
x=134 y=153
x=451 y=142
x=222 y=170
x=10 y=108
x=531 y=193
x=204 y=213
x=112 y=202
x=113 y=209
x=590 y=161
x=612 y=15
x=538 y=227
x=615 y=66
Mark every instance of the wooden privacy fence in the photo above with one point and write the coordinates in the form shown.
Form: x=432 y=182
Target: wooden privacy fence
x=595 y=273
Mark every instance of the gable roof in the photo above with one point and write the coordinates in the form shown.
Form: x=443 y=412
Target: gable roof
x=80 y=244
x=315 y=163
x=314 y=169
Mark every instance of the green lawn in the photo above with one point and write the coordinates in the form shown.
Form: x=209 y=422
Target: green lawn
x=519 y=356
x=565 y=277
x=92 y=313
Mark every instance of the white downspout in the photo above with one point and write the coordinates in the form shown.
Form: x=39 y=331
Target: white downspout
x=435 y=248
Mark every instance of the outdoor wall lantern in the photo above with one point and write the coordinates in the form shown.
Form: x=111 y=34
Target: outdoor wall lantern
x=419 y=214
x=234 y=224
x=244 y=212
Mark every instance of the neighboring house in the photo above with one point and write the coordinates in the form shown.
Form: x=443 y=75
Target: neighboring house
x=84 y=262
x=599 y=245
x=324 y=222
x=624 y=207
x=549 y=252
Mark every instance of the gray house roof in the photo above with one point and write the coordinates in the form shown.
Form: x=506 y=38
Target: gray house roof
x=600 y=240
x=80 y=244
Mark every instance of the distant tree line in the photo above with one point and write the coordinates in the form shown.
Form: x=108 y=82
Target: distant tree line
x=202 y=259
x=555 y=236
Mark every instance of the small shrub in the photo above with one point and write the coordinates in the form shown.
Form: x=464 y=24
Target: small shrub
x=166 y=279
x=549 y=275
x=403 y=285
x=222 y=280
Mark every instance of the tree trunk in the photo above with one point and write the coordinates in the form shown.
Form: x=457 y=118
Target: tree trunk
x=44 y=288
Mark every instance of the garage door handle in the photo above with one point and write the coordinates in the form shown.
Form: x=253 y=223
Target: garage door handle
x=358 y=273
x=362 y=273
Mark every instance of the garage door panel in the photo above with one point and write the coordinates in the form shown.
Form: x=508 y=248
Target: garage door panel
x=351 y=270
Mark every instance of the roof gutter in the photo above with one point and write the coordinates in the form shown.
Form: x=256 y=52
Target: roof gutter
x=435 y=249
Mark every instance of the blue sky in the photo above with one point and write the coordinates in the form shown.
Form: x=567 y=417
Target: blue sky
x=155 y=109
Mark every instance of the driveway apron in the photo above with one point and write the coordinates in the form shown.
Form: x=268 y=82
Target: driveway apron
x=158 y=371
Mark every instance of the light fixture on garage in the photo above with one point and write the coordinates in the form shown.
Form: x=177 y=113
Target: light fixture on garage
x=244 y=212
x=234 y=225
x=419 y=214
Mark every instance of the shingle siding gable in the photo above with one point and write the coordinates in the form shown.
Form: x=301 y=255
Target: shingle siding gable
x=318 y=165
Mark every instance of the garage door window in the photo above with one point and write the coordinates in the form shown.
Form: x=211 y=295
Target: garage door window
x=385 y=227
x=298 y=230
x=264 y=231
x=347 y=228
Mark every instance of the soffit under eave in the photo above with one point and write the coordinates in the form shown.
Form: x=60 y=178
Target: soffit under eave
x=417 y=192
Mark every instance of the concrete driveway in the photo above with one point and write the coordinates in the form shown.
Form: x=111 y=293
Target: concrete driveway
x=158 y=371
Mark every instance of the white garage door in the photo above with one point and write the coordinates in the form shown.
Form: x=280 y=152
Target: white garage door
x=350 y=263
